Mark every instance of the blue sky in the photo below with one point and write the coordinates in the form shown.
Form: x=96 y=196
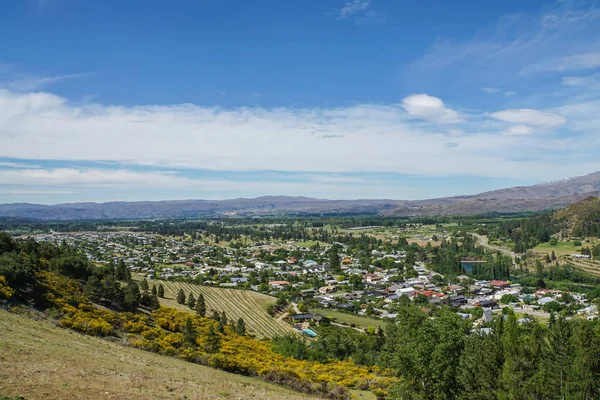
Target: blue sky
x=128 y=100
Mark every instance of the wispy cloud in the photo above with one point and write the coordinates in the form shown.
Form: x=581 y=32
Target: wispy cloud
x=529 y=117
x=569 y=63
x=29 y=83
x=560 y=38
x=360 y=12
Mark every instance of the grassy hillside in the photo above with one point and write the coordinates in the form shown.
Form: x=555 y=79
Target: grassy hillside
x=581 y=218
x=40 y=361
x=251 y=306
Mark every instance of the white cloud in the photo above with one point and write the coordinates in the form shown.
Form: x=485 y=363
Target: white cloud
x=518 y=130
x=353 y=7
x=29 y=83
x=509 y=93
x=430 y=108
x=568 y=63
x=369 y=138
x=360 y=12
x=562 y=36
x=529 y=117
x=490 y=90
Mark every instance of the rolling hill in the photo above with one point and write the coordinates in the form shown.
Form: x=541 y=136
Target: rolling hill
x=545 y=196
x=41 y=361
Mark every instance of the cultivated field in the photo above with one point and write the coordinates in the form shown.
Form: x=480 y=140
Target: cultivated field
x=251 y=306
x=561 y=248
x=41 y=361
x=590 y=266
x=349 y=318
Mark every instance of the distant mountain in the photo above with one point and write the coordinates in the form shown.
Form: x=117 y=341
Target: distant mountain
x=545 y=196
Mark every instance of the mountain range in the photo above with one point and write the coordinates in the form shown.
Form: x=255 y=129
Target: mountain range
x=545 y=196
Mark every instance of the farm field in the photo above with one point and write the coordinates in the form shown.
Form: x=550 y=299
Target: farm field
x=561 y=248
x=358 y=320
x=590 y=266
x=250 y=306
x=41 y=361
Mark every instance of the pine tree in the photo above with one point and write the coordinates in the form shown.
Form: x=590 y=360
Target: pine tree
x=154 y=303
x=153 y=291
x=161 y=290
x=191 y=302
x=224 y=318
x=144 y=286
x=181 y=297
x=240 y=328
x=201 y=306
x=585 y=373
x=334 y=260
x=189 y=334
x=213 y=340
x=132 y=296
x=121 y=271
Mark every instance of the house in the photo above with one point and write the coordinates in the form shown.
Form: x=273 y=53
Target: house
x=301 y=317
x=278 y=283
x=457 y=301
x=492 y=304
x=545 y=300
x=372 y=278
x=584 y=256
x=409 y=291
x=327 y=289
x=499 y=284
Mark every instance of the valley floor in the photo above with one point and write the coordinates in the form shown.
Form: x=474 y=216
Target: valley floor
x=41 y=361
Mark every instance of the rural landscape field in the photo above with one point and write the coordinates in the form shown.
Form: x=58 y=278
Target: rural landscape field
x=341 y=199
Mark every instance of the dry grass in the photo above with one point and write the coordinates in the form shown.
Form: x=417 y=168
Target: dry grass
x=40 y=361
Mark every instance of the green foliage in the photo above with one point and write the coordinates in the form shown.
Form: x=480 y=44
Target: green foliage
x=191 y=301
x=122 y=272
x=240 y=327
x=201 y=306
x=509 y=298
x=132 y=296
x=180 y=297
x=161 y=290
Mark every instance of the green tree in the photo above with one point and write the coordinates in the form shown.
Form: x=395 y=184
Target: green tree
x=161 y=290
x=334 y=260
x=189 y=333
x=240 y=328
x=191 y=301
x=132 y=296
x=144 y=286
x=122 y=272
x=213 y=340
x=201 y=306
x=584 y=380
x=421 y=299
x=154 y=291
x=481 y=364
x=180 y=297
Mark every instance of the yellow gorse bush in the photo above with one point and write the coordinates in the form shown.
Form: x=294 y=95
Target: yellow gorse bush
x=209 y=343
x=6 y=292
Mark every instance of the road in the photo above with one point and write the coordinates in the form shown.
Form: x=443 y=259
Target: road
x=483 y=242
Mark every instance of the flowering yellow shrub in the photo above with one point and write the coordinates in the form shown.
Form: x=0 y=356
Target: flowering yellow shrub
x=82 y=322
x=167 y=331
x=6 y=292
